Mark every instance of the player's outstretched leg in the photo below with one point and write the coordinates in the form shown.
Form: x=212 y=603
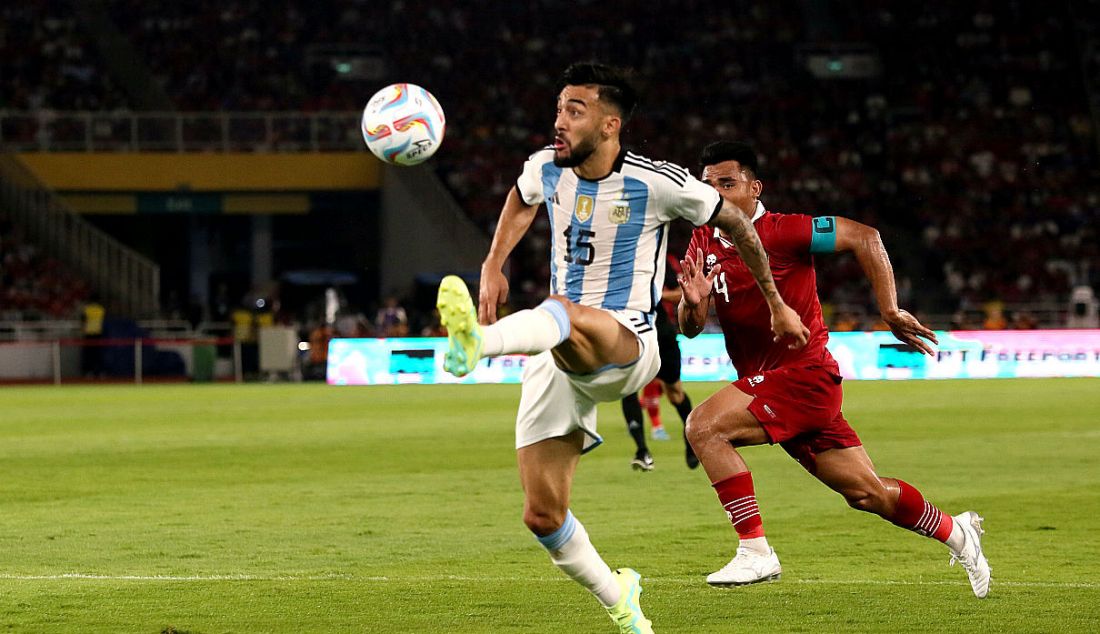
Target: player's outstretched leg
x=458 y=315
x=523 y=332
x=849 y=472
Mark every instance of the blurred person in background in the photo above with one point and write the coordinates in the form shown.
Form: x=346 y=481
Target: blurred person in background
x=667 y=381
x=994 y=317
x=391 y=319
x=92 y=316
x=317 y=363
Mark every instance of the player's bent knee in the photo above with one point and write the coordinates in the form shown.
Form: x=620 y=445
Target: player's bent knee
x=543 y=522
x=697 y=428
x=863 y=500
x=708 y=422
x=564 y=301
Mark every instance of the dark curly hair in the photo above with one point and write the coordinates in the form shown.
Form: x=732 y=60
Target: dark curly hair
x=614 y=84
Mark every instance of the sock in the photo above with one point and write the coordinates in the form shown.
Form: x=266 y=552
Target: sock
x=921 y=516
x=654 y=411
x=632 y=411
x=955 y=539
x=758 y=544
x=738 y=497
x=651 y=401
x=527 y=331
x=572 y=552
x=684 y=408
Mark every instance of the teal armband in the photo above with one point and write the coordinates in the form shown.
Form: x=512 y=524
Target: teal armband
x=823 y=237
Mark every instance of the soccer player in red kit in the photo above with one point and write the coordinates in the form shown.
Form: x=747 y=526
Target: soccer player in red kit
x=793 y=396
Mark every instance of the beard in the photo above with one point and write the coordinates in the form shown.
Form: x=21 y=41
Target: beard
x=577 y=154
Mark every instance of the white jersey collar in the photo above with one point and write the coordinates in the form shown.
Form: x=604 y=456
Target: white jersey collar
x=760 y=211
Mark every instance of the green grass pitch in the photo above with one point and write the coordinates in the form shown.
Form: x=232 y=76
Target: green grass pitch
x=308 y=508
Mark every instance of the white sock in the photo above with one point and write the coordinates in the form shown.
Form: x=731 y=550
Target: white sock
x=757 y=545
x=955 y=540
x=573 y=553
x=527 y=331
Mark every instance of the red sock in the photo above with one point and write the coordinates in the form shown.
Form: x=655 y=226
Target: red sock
x=920 y=515
x=738 y=497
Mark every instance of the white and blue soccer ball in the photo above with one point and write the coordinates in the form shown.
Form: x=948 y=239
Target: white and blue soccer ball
x=403 y=124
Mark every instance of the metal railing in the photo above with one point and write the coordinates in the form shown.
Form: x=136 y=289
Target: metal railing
x=124 y=131
x=128 y=281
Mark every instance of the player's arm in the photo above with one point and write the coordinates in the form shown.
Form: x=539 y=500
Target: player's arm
x=785 y=321
x=515 y=220
x=832 y=233
x=695 y=287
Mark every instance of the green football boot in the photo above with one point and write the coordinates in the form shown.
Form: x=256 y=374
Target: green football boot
x=627 y=613
x=459 y=316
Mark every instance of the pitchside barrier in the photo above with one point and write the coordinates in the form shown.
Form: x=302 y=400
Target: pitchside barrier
x=961 y=354
x=48 y=352
x=135 y=360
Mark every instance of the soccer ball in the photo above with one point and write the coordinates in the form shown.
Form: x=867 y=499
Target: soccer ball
x=403 y=124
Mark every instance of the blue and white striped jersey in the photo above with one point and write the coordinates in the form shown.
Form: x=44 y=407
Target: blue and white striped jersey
x=609 y=236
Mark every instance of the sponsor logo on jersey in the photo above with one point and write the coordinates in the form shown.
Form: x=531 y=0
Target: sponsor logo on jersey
x=584 y=208
x=756 y=380
x=620 y=212
x=769 y=411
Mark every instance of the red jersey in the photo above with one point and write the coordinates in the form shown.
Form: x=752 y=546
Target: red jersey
x=741 y=309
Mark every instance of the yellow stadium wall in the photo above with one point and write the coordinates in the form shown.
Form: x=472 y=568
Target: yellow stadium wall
x=224 y=172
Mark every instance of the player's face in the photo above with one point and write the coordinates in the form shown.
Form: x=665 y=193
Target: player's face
x=578 y=126
x=732 y=181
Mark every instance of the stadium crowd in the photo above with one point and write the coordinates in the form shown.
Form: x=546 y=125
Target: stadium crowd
x=33 y=285
x=970 y=147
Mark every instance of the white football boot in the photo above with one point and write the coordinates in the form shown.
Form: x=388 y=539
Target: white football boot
x=748 y=566
x=970 y=554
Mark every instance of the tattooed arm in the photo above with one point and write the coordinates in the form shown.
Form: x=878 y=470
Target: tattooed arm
x=737 y=224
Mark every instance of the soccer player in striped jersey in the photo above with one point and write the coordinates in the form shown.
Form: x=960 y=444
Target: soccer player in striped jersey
x=593 y=339
x=793 y=397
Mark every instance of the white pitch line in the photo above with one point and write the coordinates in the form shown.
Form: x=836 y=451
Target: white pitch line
x=242 y=577
x=993 y=583
x=427 y=579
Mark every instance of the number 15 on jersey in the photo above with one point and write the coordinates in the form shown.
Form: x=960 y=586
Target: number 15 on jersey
x=579 y=251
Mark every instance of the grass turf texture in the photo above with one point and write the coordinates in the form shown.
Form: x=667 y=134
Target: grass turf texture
x=268 y=508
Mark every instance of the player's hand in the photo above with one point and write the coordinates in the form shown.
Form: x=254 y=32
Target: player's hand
x=788 y=326
x=908 y=330
x=693 y=283
x=491 y=293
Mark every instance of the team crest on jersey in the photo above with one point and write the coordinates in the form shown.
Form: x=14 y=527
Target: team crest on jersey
x=585 y=204
x=711 y=260
x=620 y=212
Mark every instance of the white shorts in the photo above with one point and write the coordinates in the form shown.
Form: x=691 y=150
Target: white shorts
x=556 y=402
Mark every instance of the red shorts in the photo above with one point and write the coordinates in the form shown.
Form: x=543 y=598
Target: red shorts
x=799 y=408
